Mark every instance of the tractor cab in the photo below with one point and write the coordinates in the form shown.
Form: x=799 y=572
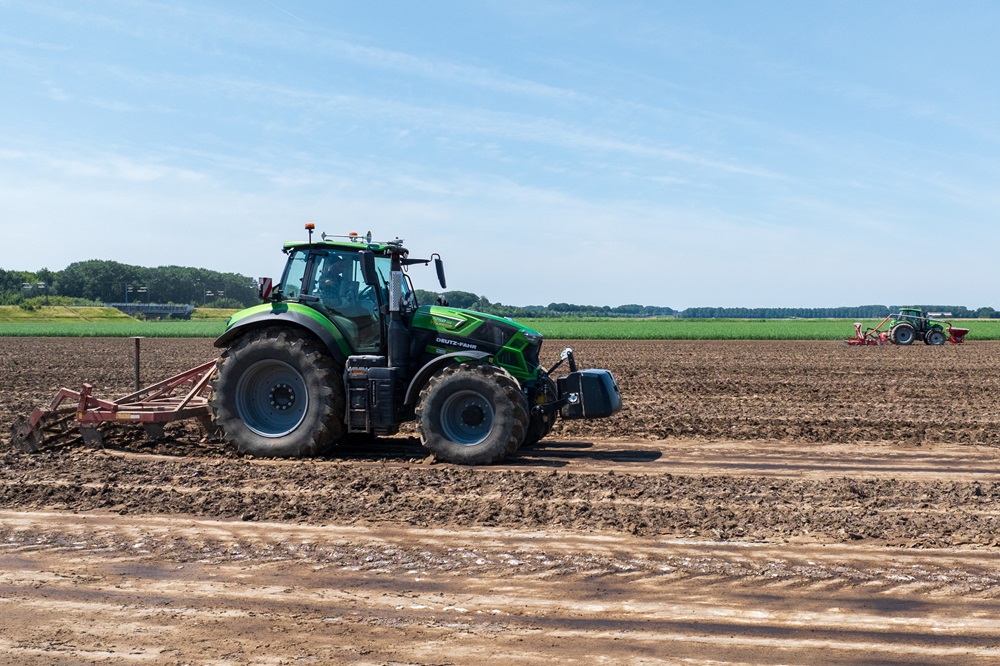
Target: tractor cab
x=913 y=316
x=345 y=290
x=348 y=283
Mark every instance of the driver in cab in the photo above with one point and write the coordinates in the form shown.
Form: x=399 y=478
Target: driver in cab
x=334 y=286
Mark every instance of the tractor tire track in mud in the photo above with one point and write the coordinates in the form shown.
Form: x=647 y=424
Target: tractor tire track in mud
x=753 y=503
x=925 y=513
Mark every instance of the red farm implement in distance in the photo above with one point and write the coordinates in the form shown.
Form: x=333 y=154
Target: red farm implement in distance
x=906 y=327
x=72 y=412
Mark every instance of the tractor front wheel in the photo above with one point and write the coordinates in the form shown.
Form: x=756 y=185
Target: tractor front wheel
x=902 y=334
x=935 y=336
x=278 y=395
x=472 y=414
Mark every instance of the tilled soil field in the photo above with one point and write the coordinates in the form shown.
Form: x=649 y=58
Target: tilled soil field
x=754 y=502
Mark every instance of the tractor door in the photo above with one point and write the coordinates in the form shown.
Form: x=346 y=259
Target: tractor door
x=330 y=282
x=344 y=297
x=914 y=317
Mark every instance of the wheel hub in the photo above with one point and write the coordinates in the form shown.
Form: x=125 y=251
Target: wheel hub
x=473 y=415
x=282 y=396
x=467 y=417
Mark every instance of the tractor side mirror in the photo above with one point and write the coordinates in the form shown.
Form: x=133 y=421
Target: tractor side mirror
x=368 y=268
x=439 y=267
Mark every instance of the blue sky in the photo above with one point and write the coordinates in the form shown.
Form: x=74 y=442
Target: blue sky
x=662 y=153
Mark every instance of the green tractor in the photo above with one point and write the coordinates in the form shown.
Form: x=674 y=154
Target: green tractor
x=911 y=324
x=341 y=347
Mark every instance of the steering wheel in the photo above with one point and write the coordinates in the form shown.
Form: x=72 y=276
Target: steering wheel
x=367 y=295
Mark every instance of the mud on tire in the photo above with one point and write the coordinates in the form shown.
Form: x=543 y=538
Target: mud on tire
x=472 y=414
x=278 y=394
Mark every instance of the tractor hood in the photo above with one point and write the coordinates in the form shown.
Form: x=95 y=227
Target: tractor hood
x=448 y=330
x=469 y=326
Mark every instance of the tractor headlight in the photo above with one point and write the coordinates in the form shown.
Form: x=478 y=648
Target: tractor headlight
x=533 y=338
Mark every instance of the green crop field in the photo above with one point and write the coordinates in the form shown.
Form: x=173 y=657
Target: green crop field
x=113 y=329
x=724 y=329
x=98 y=322
x=59 y=321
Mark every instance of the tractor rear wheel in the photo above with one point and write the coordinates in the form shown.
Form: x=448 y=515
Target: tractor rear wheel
x=278 y=395
x=472 y=414
x=902 y=333
x=935 y=336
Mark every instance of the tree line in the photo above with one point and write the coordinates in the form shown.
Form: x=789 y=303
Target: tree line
x=100 y=281
x=465 y=299
x=471 y=301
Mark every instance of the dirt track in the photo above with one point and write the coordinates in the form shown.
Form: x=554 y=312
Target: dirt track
x=753 y=503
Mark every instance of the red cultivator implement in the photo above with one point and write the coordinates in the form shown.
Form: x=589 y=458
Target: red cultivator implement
x=72 y=412
x=871 y=336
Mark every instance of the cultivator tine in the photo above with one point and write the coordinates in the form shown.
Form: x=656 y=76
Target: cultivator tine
x=212 y=429
x=44 y=429
x=154 y=431
x=92 y=437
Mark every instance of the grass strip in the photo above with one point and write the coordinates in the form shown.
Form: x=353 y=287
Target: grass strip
x=571 y=329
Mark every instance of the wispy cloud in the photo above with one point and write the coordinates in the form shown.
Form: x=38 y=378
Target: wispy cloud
x=537 y=128
x=105 y=167
x=31 y=44
x=442 y=70
x=312 y=41
x=501 y=125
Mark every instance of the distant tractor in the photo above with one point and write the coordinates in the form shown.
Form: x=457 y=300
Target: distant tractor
x=911 y=325
x=907 y=326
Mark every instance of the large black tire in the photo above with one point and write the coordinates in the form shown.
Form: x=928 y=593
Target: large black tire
x=902 y=333
x=472 y=414
x=934 y=336
x=279 y=395
x=540 y=425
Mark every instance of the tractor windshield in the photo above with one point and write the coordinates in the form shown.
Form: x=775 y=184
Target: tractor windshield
x=295 y=271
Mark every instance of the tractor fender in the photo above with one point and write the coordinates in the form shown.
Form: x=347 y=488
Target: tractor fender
x=291 y=319
x=435 y=364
